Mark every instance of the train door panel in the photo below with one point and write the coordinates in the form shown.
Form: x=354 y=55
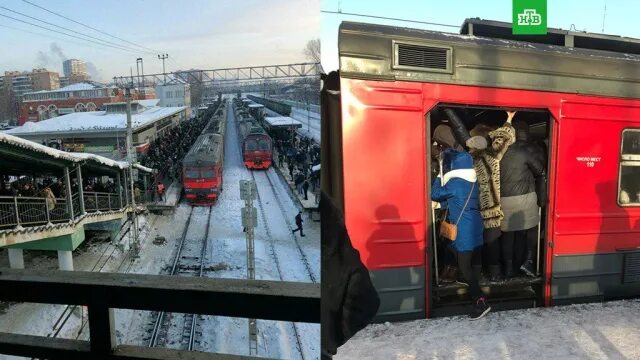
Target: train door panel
x=591 y=227
x=384 y=177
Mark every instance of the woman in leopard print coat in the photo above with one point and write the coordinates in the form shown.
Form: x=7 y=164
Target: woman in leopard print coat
x=487 y=165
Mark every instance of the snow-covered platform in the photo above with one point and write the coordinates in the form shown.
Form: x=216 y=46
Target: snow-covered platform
x=310 y=204
x=587 y=331
x=171 y=199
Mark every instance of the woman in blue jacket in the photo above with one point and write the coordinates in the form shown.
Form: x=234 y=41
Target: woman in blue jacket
x=459 y=189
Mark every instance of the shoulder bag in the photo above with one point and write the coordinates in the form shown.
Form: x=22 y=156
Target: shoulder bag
x=448 y=230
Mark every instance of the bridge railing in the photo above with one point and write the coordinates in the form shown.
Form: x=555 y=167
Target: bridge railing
x=102 y=292
x=34 y=211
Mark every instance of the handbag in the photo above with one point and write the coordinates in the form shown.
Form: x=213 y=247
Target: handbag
x=448 y=230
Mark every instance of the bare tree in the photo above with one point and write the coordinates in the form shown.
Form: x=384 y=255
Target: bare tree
x=312 y=50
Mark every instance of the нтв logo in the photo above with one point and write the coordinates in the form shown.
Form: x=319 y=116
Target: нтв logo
x=529 y=17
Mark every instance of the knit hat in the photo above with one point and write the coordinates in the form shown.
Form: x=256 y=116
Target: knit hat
x=477 y=142
x=443 y=135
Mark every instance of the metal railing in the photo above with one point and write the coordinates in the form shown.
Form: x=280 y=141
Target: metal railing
x=20 y=211
x=102 y=292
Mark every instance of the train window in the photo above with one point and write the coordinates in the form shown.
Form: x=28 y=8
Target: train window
x=628 y=186
x=251 y=146
x=264 y=145
x=208 y=173
x=192 y=173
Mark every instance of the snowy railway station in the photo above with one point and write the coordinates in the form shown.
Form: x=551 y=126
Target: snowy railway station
x=153 y=314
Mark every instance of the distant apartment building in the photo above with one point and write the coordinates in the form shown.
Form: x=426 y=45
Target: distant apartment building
x=43 y=79
x=80 y=97
x=174 y=93
x=75 y=70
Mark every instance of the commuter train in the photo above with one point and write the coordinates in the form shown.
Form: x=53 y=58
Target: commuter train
x=257 y=146
x=202 y=167
x=280 y=108
x=580 y=95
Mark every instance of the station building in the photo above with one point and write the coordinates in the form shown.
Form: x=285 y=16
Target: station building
x=103 y=132
x=86 y=96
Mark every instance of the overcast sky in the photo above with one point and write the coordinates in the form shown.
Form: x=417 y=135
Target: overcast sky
x=621 y=16
x=206 y=34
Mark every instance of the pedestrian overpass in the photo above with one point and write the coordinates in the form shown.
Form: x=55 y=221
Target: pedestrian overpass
x=35 y=223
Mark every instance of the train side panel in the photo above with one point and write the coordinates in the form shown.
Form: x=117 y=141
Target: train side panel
x=596 y=241
x=384 y=190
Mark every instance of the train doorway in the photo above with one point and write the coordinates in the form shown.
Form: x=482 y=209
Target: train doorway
x=506 y=289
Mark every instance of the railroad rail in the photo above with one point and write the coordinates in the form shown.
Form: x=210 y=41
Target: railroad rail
x=161 y=327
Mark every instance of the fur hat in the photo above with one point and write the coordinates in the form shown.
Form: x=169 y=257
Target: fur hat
x=477 y=142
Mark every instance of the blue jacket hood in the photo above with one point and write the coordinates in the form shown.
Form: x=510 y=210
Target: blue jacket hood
x=458 y=159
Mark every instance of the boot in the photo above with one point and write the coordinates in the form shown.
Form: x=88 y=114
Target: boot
x=508 y=269
x=480 y=308
x=448 y=274
x=527 y=267
x=495 y=272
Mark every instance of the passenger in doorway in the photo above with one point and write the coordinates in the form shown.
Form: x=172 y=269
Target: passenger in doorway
x=459 y=189
x=444 y=139
x=299 y=224
x=486 y=160
x=160 y=190
x=520 y=167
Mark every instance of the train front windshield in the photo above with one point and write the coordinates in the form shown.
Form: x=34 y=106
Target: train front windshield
x=192 y=173
x=263 y=145
x=251 y=145
x=200 y=173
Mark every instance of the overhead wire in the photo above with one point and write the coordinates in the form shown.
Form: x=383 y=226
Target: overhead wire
x=388 y=18
x=73 y=31
x=90 y=27
x=63 y=33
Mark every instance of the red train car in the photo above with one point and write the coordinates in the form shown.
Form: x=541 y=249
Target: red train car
x=202 y=167
x=580 y=94
x=257 y=147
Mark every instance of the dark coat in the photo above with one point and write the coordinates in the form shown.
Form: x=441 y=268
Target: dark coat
x=299 y=220
x=519 y=168
x=349 y=299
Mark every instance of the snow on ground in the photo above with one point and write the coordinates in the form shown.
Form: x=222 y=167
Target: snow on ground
x=608 y=330
x=227 y=252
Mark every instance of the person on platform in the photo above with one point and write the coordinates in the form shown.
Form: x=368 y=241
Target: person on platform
x=305 y=188
x=349 y=299
x=299 y=224
x=160 y=190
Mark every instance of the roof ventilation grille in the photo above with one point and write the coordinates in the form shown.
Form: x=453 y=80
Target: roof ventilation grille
x=420 y=57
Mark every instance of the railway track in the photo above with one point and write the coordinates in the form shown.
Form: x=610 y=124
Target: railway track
x=272 y=251
x=189 y=261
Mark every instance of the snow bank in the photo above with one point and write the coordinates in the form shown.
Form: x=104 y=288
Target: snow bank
x=63 y=155
x=96 y=121
x=282 y=121
x=587 y=331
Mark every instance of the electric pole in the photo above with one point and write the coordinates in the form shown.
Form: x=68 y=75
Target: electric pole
x=134 y=218
x=163 y=57
x=248 y=193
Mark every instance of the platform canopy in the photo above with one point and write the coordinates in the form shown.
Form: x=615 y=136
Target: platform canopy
x=21 y=155
x=256 y=106
x=282 y=122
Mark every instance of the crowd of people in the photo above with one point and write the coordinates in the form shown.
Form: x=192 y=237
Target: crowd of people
x=490 y=187
x=165 y=153
x=28 y=187
x=298 y=156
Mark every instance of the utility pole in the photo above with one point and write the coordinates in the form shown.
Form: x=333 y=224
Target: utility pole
x=248 y=193
x=163 y=57
x=138 y=61
x=136 y=245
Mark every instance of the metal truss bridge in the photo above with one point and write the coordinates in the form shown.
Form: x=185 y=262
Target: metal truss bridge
x=216 y=77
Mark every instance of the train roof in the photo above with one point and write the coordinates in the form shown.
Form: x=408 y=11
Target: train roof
x=206 y=150
x=484 y=55
x=214 y=126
